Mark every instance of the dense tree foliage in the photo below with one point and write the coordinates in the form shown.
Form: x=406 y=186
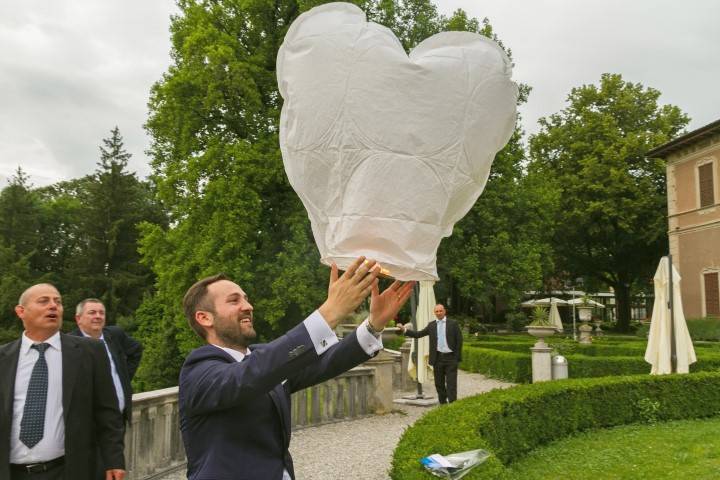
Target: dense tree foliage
x=80 y=235
x=612 y=198
x=216 y=162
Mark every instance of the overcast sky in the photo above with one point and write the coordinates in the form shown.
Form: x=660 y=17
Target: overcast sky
x=72 y=70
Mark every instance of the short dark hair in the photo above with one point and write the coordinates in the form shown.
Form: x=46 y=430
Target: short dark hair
x=196 y=298
x=81 y=306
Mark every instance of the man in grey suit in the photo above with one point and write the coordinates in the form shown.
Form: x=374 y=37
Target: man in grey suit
x=57 y=402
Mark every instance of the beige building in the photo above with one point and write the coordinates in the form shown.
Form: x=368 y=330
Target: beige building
x=693 y=189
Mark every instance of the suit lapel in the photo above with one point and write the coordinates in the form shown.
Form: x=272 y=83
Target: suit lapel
x=71 y=357
x=279 y=398
x=8 y=370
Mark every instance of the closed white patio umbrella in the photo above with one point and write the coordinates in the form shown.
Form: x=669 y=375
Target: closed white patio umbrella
x=555 y=317
x=659 y=347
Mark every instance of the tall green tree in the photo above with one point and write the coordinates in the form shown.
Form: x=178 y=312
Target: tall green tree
x=612 y=216
x=20 y=234
x=112 y=204
x=217 y=165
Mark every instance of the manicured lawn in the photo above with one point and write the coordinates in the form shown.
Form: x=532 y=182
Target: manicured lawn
x=674 y=450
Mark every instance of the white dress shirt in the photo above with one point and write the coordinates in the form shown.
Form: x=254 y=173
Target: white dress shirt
x=113 y=370
x=442 y=335
x=323 y=338
x=52 y=444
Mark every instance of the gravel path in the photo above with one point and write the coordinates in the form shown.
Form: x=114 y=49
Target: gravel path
x=362 y=449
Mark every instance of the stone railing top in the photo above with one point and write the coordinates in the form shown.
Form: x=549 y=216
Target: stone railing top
x=154 y=395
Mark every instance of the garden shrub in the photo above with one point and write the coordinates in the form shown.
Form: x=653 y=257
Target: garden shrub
x=510 y=423
x=511 y=361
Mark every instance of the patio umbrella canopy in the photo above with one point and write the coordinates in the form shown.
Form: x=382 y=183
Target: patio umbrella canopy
x=388 y=151
x=658 y=351
x=544 y=302
x=579 y=301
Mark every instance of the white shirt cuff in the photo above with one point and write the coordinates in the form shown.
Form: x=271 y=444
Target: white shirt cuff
x=367 y=340
x=320 y=332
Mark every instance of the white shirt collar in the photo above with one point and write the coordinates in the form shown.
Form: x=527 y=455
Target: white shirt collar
x=102 y=335
x=237 y=355
x=442 y=319
x=53 y=341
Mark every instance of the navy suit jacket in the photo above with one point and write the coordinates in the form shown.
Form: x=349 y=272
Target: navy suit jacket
x=126 y=353
x=89 y=405
x=235 y=416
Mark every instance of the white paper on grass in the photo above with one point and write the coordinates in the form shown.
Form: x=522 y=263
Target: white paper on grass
x=387 y=152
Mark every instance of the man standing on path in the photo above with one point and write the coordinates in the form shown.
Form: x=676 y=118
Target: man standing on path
x=57 y=403
x=235 y=398
x=445 y=352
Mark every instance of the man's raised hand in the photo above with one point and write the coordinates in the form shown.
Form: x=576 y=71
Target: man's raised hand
x=346 y=292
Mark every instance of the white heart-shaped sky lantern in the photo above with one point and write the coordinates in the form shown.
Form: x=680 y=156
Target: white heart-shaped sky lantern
x=387 y=151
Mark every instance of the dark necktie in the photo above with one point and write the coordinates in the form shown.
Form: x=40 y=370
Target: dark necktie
x=32 y=425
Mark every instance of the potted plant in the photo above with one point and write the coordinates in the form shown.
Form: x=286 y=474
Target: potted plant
x=540 y=325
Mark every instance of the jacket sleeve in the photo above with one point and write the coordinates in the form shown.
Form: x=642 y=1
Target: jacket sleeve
x=420 y=333
x=460 y=342
x=210 y=382
x=339 y=358
x=133 y=350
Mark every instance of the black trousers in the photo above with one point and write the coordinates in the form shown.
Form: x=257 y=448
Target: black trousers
x=445 y=371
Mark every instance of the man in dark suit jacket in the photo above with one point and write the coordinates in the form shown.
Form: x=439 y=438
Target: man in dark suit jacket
x=235 y=398
x=124 y=351
x=57 y=402
x=445 y=352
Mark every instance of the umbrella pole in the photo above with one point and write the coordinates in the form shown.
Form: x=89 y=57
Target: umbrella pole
x=413 y=311
x=671 y=306
x=573 y=315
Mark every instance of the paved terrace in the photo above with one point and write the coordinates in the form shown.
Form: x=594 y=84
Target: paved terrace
x=362 y=449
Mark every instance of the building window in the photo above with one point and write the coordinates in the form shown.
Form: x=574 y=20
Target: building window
x=707 y=187
x=712 y=294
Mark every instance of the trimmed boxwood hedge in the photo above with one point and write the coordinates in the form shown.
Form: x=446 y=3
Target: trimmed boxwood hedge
x=510 y=423
x=512 y=361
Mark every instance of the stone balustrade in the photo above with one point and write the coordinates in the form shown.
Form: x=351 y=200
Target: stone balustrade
x=153 y=445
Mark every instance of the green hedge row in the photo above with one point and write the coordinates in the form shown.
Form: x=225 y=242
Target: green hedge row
x=516 y=366
x=510 y=423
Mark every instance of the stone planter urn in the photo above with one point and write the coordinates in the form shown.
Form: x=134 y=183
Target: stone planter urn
x=598 y=331
x=540 y=332
x=540 y=358
x=585 y=315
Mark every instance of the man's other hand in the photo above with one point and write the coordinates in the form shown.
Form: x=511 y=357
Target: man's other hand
x=385 y=306
x=115 y=474
x=349 y=290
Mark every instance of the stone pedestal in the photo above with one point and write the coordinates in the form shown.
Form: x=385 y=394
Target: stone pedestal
x=541 y=362
x=407 y=381
x=383 y=381
x=585 y=334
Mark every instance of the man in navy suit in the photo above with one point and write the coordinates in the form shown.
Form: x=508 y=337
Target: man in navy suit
x=235 y=398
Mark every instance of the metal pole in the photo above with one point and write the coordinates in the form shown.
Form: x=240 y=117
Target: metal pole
x=573 y=315
x=413 y=312
x=671 y=306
